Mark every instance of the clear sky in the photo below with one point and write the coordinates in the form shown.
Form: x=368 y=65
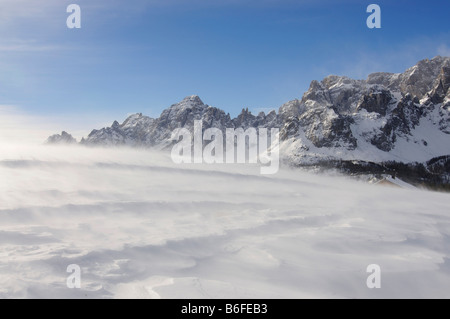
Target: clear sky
x=142 y=56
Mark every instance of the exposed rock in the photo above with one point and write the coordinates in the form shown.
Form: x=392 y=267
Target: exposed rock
x=337 y=118
x=63 y=138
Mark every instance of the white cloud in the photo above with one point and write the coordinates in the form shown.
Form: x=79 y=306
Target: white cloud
x=444 y=50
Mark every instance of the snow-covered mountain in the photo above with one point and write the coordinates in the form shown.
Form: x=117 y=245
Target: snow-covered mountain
x=140 y=130
x=63 y=138
x=388 y=117
x=401 y=118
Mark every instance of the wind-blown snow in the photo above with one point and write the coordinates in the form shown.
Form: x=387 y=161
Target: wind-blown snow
x=140 y=226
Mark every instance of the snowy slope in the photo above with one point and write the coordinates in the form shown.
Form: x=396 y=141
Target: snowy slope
x=389 y=117
x=142 y=227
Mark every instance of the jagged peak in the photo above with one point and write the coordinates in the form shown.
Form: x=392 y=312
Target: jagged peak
x=325 y=114
x=331 y=81
x=192 y=101
x=135 y=119
x=338 y=81
x=435 y=63
x=289 y=109
x=437 y=59
x=195 y=99
x=245 y=111
x=314 y=85
x=63 y=138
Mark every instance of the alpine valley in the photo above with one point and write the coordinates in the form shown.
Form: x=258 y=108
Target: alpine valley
x=389 y=125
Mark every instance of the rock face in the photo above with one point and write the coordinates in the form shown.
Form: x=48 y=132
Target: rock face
x=139 y=130
x=387 y=117
x=63 y=138
x=441 y=87
x=417 y=80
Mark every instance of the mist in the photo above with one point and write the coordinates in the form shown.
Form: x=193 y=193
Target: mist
x=140 y=226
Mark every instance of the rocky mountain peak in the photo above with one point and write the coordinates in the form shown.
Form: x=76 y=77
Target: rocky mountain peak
x=189 y=102
x=63 y=138
x=441 y=86
x=389 y=116
x=417 y=80
x=290 y=109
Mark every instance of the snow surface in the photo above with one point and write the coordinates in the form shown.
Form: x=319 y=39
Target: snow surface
x=140 y=226
x=400 y=183
x=425 y=142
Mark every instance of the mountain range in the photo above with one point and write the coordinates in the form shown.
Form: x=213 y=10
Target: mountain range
x=387 y=124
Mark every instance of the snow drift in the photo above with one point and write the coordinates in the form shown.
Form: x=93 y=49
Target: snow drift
x=140 y=226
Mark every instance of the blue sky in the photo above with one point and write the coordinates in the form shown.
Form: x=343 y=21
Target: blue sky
x=142 y=56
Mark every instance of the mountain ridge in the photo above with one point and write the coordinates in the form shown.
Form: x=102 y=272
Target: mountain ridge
x=398 y=117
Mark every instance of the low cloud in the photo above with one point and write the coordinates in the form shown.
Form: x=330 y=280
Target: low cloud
x=141 y=226
x=18 y=127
